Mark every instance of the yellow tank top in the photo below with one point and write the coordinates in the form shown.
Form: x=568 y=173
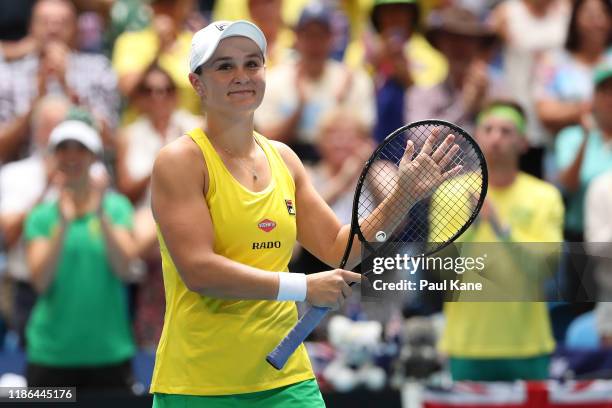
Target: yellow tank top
x=213 y=346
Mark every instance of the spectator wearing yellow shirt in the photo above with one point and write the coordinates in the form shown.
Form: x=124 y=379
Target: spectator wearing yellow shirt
x=400 y=58
x=504 y=341
x=355 y=12
x=302 y=88
x=268 y=15
x=164 y=41
x=239 y=10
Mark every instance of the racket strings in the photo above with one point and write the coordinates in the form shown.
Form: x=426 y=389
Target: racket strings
x=436 y=218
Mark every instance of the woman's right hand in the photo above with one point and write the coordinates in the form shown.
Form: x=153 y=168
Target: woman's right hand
x=330 y=288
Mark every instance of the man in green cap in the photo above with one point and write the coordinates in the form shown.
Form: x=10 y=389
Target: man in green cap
x=503 y=340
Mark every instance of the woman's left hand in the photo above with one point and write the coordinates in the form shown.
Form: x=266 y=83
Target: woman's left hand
x=419 y=176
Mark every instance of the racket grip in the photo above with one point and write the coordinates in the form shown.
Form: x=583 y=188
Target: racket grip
x=281 y=353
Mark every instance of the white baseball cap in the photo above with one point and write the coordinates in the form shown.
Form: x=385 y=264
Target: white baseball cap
x=78 y=131
x=205 y=41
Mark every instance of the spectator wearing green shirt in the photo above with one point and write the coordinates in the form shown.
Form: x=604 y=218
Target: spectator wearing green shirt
x=79 y=251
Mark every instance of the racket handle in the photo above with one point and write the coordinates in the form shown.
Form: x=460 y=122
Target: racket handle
x=281 y=353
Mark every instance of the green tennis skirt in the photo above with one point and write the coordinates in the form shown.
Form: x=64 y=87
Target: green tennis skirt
x=304 y=394
x=500 y=369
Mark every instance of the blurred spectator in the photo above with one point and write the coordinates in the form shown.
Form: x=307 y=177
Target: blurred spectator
x=504 y=341
x=18 y=197
x=79 y=252
x=351 y=26
x=53 y=67
x=466 y=43
x=14 y=17
x=565 y=77
x=349 y=23
x=529 y=29
x=239 y=10
x=125 y=15
x=583 y=152
x=161 y=121
x=598 y=235
x=5 y=295
x=299 y=91
x=267 y=15
x=167 y=41
x=93 y=15
x=114 y=17
x=344 y=143
x=90 y=26
x=401 y=58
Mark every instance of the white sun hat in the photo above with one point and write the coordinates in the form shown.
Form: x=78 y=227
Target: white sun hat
x=79 y=131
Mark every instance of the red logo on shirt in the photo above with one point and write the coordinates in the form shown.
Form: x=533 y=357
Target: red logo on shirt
x=266 y=225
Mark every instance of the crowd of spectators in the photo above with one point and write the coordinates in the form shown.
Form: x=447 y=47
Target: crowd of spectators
x=76 y=230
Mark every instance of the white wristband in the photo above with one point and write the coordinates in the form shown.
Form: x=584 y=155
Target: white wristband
x=292 y=286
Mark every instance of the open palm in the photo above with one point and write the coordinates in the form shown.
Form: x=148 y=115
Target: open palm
x=421 y=175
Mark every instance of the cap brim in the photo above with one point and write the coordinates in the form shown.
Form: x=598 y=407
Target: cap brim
x=76 y=131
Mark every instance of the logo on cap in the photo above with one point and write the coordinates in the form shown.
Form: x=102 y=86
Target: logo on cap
x=266 y=225
x=221 y=26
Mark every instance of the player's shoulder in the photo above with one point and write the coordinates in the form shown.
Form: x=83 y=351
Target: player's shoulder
x=182 y=154
x=179 y=149
x=290 y=158
x=286 y=152
x=281 y=147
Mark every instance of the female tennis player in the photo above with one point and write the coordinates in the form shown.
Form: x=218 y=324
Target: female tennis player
x=229 y=205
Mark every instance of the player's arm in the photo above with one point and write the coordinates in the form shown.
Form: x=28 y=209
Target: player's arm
x=320 y=231
x=178 y=186
x=318 y=228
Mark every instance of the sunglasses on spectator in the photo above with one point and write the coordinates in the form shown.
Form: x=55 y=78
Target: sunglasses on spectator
x=158 y=91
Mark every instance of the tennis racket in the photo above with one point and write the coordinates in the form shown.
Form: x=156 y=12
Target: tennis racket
x=454 y=165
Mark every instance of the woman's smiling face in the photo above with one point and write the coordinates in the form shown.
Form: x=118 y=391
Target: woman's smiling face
x=234 y=77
